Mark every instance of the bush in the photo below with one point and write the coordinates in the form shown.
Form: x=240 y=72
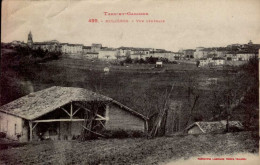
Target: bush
x=151 y=60
x=120 y=134
x=128 y=60
x=2 y=135
x=142 y=61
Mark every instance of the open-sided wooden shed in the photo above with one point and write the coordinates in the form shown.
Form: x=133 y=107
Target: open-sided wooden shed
x=212 y=127
x=61 y=113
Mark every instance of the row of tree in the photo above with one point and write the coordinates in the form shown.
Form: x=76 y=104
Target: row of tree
x=24 y=55
x=147 y=60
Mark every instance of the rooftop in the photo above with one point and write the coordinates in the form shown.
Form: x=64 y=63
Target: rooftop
x=86 y=47
x=212 y=126
x=41 y=102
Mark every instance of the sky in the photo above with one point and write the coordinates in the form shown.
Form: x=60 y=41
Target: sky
x=188 y=23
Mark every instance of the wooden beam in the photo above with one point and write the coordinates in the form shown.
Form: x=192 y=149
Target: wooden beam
x=56 y=120
x=107 y=111
x=100 y=117
x=34 y=126
x=83 y=107
x=92 y=131
x=65 y=111
x=71 y=110
x=76 y=111
x=31 y=129
x=102 y=124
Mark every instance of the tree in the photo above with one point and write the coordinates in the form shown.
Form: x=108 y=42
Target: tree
x=233 y=92
x=117 y=55
x=197 y=63
x=128 y=54
x=141 y=61
x=128 y=60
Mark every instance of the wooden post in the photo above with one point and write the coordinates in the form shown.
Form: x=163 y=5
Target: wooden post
x=71 y=110
x=146 y=127
x=71 y=114
x=31 y=130
x=107 y=112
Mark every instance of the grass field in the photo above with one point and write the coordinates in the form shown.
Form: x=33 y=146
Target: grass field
x=130 y=151
x=139 y=86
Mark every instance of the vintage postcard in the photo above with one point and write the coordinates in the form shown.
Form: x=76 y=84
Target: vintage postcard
x=129 y=82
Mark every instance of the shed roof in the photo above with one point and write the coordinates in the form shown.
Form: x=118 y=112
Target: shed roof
x=41 y=102
x=212 y=126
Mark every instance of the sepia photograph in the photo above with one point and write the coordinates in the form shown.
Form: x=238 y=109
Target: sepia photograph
x=169 y=82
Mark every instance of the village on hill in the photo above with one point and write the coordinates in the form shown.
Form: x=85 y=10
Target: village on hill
x=231 y=55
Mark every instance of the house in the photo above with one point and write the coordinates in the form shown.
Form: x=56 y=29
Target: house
x=18 y=43
x=51 y=46
x=218 y=61
x=109 y=54
x=212 y=127
x=96 y=47
x=175 y=56
x=231 y=56
x=142 y=51
x=90 y=55
x=203 y=62
x=161 y=54
x=188 y=53
x=71 y=48
x=159 y=64
x=86 y=49
x=245 y=56
x=59 y=113
x=138 y=56
x=199 y=53
x=127 y=51
x=212 y=61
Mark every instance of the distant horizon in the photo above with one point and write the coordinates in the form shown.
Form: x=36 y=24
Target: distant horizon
x=188 y=24
x=128 y=45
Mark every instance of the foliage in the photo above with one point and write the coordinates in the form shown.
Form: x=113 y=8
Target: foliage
x=120 y=134
x=237 y=97
x=25 y=56
x=197 y=63
x=128 y=60
x=151 y=60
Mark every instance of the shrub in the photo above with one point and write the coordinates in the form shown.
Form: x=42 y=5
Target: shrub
x=128 y=60
x=2 y=135
x=141 y=61
x=120 y=134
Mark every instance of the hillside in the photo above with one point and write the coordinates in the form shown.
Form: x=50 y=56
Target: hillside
x=131 y=151
x=139 y=86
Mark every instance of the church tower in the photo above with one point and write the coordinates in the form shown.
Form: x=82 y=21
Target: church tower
x=30 y=39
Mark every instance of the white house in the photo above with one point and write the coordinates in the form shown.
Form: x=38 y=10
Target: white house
x=109 y=54
x=71 y=48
